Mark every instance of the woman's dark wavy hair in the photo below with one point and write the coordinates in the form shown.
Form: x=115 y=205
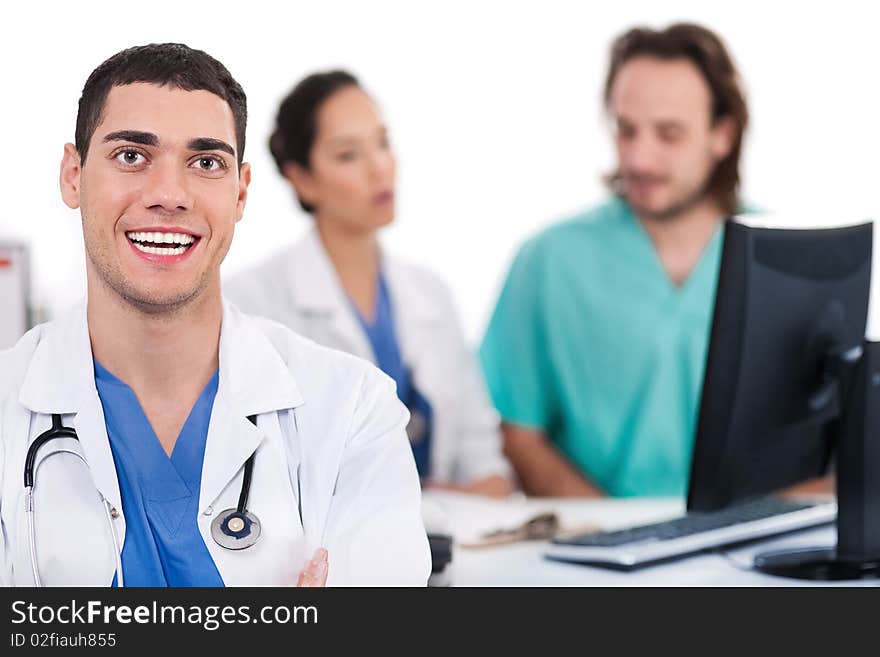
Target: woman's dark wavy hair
x=296 y=120
x=707 y=52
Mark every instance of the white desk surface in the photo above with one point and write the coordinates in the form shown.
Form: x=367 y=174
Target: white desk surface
x=523 y=564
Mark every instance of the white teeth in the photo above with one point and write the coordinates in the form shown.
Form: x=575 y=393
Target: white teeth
x=161 y=250
x=161 y=238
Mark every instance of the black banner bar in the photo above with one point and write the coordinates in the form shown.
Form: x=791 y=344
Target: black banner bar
x=255 y=621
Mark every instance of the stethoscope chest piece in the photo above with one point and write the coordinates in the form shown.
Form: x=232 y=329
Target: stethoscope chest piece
x=235 y=530
x=238 y=528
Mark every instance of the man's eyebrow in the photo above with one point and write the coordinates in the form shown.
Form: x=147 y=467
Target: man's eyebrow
x=134 y=136
x=209 y=144
x=669 y=123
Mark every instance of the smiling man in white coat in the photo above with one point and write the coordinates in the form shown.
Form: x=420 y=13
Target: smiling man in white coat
x=155 y=436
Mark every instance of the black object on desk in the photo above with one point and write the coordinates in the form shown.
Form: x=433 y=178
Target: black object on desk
x=441 y=558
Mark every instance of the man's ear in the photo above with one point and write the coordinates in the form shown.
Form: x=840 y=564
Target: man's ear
x=723 y=136
x=302 y=181
x=70 y=176
x=244 y=180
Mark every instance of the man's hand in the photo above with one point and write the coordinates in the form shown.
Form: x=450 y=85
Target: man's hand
x=493 y=486
x=314 y=574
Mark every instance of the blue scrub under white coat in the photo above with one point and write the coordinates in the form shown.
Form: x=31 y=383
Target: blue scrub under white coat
x=160 y=494
x=386 y=348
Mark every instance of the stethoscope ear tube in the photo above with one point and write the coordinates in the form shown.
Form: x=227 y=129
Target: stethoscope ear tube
x=57 y=431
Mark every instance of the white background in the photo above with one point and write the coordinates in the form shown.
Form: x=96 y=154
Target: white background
x=494 y=110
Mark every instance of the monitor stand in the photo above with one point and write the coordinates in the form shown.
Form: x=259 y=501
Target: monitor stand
x=857 y=554
x=815 y=564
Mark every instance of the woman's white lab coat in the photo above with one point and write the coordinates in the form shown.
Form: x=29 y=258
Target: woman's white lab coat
x=299 y=288
x=333 y=466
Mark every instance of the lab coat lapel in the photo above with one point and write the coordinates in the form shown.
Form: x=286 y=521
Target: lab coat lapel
x=416 y=317
x=254 y=379
x=321 y=299
x=61 y=379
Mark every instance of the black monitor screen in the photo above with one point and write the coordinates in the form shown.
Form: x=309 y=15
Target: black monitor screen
x=788 y=303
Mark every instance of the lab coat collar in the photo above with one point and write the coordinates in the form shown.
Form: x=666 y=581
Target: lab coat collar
x=320 y=291
x=320 y=295
x=254 y=378
x=60 y=376
x=318 y=288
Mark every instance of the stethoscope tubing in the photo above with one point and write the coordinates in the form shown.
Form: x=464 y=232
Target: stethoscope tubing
x=31 y=466
x=248 y=473
x=30 y=487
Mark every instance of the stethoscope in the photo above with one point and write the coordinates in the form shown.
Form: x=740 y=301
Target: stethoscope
x=238 y=528
x=233 y=529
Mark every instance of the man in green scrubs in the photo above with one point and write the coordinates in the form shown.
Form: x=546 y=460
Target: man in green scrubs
x=595 y=352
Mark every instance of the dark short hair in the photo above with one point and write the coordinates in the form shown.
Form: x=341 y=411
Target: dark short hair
x=707 y=52
x=165 y=64
x=296 y=121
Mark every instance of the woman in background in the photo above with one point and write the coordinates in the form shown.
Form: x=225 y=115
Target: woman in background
x=337 y=287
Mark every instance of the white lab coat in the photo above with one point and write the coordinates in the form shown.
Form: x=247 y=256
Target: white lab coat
x=299 y=288
x=329 y=441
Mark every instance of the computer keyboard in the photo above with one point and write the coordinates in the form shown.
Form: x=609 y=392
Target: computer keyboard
x=693 y=532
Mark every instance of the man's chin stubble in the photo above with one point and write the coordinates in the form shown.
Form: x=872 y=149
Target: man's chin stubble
x=156 y=308
x=152 y=306
x=672 y=212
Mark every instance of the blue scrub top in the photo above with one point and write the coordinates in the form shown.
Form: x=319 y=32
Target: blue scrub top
x=383 y=340
x=160 y=495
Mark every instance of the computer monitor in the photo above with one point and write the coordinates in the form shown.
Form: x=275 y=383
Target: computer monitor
x=792 y=386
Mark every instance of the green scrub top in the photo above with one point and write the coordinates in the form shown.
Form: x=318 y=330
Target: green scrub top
x=592 y=343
